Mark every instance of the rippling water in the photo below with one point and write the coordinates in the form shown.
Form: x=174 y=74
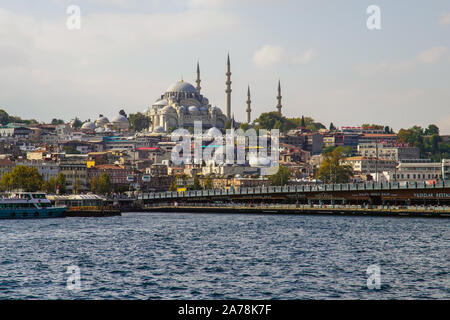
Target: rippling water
x=206 y=256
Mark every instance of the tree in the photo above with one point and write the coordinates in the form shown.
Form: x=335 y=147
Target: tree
x=61 y=183
x=173 y=186
x=208 y=183
x=49 y=186
x=196 y=185
x=432 y=130
x=57 y=121
x=104 y=183
x=332 y=127
x=245 y=126
x=227 y=124
x=302 y=122
x=123 y=113
x=280 y=178
x=93 y=184
x=331 y=170
x=76 y=123
x=22 y=177
x=77 y=186
x=139 y=121
x=4 y=117
x=273 y=120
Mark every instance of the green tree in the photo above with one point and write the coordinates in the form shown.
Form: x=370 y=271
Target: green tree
x=104 y=183
x=49 y=186
x=4 y=117
x=196 y=185
x=77 y=123
x=22 y=177
x=123 y=113
x=227 y=124
x=93 y=184
x=208 y=183
x=245 y=126
x=432 y=130
x=332 y=127
x=77 y=186
x=331 y=170
x=302 y=122
x=173 y=186
x=139 y=121
x=280 y=178
x=57 y=121
x=61 y=183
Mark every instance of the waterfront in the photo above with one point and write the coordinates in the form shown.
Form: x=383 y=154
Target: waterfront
x=217 y=256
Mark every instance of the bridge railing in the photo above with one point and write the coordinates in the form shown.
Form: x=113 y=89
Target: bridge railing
x=293 y=189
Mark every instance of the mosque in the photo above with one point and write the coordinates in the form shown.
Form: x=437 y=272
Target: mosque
x=182 y=104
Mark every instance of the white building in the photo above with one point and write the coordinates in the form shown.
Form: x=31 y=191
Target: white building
x=180 y=106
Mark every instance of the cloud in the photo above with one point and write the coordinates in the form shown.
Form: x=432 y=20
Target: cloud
x=50 y=71
x=444 y=18
x=432 y=55
x=306 y=57
x=268 y=56
x=428 y=56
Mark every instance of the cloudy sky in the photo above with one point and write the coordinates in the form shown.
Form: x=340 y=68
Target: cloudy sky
x=331 y=66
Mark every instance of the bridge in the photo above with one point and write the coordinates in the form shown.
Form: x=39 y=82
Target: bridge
x=385 y=194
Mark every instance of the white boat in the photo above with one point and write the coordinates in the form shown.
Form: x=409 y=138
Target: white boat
x=28 y=205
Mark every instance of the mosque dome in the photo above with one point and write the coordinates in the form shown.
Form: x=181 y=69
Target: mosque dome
x=101 y=121
x=121 y=122
x=182 y=86
x=193 y=110
x=120 y=119
x=88 y=126
x=161 y=102
x=168 y=109
x=213 y=132
x=216 y=109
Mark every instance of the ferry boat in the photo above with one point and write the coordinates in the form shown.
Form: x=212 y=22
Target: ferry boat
x=28 y=205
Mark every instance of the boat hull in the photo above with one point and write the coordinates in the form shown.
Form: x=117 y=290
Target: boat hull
x=33 y=213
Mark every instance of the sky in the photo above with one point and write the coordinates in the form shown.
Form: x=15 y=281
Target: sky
x=332 y=68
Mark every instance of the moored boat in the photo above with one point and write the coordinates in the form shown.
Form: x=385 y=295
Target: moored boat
x=28 y=205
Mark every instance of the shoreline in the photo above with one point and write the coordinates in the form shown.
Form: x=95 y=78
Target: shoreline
x=399 y=213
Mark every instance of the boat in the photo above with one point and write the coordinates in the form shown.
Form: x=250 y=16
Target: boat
x=85 y=205
x=28 y=205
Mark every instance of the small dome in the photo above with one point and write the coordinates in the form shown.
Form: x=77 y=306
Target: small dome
x=161 y=102
x=99 y=130
x=88 y=126
x=193 y=110
x=168 y=109
x=119 y=119
x=213 y=132
x=203 y=109
x=216 y=109
x=182 y=86
x=101 y=121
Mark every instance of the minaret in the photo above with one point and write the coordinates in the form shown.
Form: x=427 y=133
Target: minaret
x=228 y=88
x=249 y=110
x=198 y=78
x=279 y=98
